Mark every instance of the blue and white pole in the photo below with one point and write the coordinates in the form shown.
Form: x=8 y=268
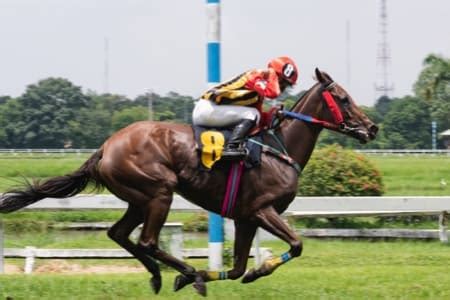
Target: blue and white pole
x=433 y=135
x=213 y=38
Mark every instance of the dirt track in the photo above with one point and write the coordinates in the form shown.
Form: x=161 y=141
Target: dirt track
x=65 y=267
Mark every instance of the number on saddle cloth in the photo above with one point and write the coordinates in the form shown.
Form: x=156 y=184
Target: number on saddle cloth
x=210 y=143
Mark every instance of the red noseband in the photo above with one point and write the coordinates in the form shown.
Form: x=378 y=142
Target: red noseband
x=335 y=111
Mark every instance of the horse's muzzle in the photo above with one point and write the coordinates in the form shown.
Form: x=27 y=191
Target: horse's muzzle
x=366 y=135
x=373 y=129
x=362 y=134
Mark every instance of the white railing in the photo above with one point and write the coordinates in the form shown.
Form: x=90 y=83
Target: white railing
x=45 y=151
x=300 y=207
x=365 y=151
x=404 y=151
x=31 y=253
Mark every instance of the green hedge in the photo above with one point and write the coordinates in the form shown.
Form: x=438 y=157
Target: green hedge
x=333 y=171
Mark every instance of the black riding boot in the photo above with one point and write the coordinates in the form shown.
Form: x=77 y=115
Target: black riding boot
x=234 y=148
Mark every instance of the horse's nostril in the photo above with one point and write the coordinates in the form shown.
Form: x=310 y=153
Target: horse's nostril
x=373 y=129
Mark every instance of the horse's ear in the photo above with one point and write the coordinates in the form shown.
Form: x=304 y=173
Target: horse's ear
x=323 y=77
x=319 y=75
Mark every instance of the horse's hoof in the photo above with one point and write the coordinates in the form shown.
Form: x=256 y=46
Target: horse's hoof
x=200 y=286
x=156 y=283
x=181 y=281
x=250 y=276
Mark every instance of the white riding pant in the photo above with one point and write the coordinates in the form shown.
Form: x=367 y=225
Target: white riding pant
x=208 y=113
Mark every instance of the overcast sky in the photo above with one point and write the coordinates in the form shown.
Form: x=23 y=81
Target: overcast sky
x=161 y=45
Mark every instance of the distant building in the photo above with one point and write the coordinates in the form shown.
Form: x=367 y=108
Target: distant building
x=445 y=136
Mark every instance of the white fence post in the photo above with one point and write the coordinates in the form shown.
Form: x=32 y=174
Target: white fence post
x=176 y=242
x=29 y=259
x=1 y=247
x=443 y=223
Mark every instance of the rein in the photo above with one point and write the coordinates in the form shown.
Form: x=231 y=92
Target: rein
x=337 y=125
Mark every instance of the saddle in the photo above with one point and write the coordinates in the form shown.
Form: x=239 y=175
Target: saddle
x=210 y=142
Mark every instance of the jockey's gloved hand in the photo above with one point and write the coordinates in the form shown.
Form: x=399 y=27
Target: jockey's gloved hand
x=281 y=106
x=279 y=113
x=267 y=117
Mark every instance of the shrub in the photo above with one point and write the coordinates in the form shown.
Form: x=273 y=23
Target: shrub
x=197 y=223
x=333 y=171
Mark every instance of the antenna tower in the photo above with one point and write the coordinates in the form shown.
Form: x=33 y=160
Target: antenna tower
x=348 y=54
x=383 y=86
x=106 y=67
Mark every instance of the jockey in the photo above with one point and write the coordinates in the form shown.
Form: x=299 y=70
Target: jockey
x=239 y=101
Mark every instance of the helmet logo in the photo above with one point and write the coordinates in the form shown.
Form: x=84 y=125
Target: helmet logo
x=288 y=70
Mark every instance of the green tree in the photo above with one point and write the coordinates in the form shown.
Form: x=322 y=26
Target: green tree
x=382 y=106
x=94 y=123
x=407 y=124
x=11 y=124
x=127 y=116
x=48 y=107
x=433 y=86
x=4 y=99
x=91 y=128
x=172 y=107
x=110 y=102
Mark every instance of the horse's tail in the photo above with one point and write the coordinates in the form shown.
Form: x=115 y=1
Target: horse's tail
x=56 y=187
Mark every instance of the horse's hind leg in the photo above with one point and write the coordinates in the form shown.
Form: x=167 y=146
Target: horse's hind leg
x=120 y=233
x=155 y=215
x=271 y=221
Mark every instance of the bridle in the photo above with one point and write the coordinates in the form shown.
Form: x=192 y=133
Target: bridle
x=338 y=123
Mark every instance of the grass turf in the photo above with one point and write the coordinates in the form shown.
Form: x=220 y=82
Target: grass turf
x=327 y=270
x=423 y=175
x=402 y=175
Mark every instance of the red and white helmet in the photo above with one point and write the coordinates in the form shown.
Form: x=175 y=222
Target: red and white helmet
x=285 y=68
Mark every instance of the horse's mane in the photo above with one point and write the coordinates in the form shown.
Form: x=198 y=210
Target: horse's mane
x=303 y=95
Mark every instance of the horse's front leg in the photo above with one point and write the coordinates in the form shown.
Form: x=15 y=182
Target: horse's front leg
x=271 y=221
x=244 y=233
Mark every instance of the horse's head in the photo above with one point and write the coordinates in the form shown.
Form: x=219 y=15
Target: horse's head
x=339 y=112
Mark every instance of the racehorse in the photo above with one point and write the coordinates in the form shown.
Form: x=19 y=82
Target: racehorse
x=146 y=162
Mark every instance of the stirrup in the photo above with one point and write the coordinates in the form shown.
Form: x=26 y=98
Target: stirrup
x=234 y=154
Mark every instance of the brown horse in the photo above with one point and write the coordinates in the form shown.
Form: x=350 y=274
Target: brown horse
x=146 y=162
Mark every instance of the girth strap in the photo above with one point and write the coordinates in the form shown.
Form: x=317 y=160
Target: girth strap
x=234 y=180
x=283 y=155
